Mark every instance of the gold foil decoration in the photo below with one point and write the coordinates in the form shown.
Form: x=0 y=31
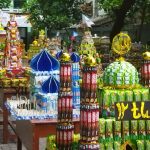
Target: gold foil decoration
x=146 y=55
x=121 y=43
x=90 y=61
x=120 y=59
x=65 y=57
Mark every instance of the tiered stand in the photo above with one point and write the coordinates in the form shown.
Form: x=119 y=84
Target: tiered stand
x=65 y=128
x=89 y=110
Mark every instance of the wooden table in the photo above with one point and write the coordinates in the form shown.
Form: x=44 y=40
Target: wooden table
x=8 y=93
x=29 y=131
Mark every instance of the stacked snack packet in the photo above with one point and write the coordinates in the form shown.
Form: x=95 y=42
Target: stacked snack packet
x=13 y=73
x=75 y=83
x=89 y=110
x=51 y=142
x=121 y=84
x=145 y=69
x=65 y=128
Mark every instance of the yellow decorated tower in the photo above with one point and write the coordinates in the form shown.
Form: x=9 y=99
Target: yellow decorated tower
x=121 y=85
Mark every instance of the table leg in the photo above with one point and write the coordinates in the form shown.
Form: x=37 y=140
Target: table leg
x=35 y=144
x=19 y=144
x=5 y=125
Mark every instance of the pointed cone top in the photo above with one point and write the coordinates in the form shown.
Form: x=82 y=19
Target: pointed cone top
x=44 y=62
x=58 y=55
x=75 y=57
x=51 y=85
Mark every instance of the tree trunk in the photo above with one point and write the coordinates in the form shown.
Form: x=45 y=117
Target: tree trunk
x=120 y=17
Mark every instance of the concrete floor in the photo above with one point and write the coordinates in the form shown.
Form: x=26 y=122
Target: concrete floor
x=12 y=144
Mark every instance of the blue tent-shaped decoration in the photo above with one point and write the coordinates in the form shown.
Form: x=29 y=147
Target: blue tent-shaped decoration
x=44 y=62
x=51 y=85
x=58 y=55
x=75 y=57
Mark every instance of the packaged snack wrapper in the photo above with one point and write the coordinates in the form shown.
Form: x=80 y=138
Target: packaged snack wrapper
x=141 y=129
x=101 y=129
x=134 y=129
x=140 y=145
x=117 y=145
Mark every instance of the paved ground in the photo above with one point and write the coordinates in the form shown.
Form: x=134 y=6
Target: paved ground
x=12 y=144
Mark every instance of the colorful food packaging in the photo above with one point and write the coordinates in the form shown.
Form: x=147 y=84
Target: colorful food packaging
x=141 y=129
x=134 y=129
x=51 y=142
x=137 y=95
x=109 y=146
x=117 y=145
x=145 y=94
x=101 y=129
x=89 y=122
x=117 y=130
x=140 y=145
x=106 y=98
x=106 y=103
x=101 y=146
x=64 y=136
x=113 y=99
x=147 y=144
x=125 y=130
x=128 y=95
x=120 y=96
x=109 y=129
x=89 y=146
x=148 y=129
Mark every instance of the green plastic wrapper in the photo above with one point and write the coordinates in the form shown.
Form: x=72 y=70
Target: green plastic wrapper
x=109 y=146
x=117 y=145
x=113 y=96
x=134 y=129
x=109 y=130
x=117 y=130
x=145 y=94
x=125 y=130
x=128 y=95
x=140 y=145
x=106 y=103
x=101 y=146
x=147 y=145
x=51 y=142
x=148 y=129
x=137 y=94
x=113 y=99
x=120 y=96
x=106 y=98
x=141 y=129
x=101 y=129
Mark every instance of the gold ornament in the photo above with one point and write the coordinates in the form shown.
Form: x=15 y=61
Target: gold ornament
x=146 y=55
x=1 y=27
x=121 y=43
x=90 y=61
x=35 y=43
x=65 y=57
x=42 y=32
x=120 y=59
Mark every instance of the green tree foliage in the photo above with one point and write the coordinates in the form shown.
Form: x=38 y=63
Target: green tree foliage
x=136 y=11
x=4 y=3
x=53 y=14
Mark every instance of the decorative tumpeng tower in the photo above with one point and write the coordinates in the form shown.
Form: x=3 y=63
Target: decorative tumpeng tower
x=13 y=51
x=65 y=128
x=145 y=69
x=89 y=109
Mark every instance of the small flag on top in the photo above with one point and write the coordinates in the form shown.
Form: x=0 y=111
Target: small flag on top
x=87 y=21
x=74 y=34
